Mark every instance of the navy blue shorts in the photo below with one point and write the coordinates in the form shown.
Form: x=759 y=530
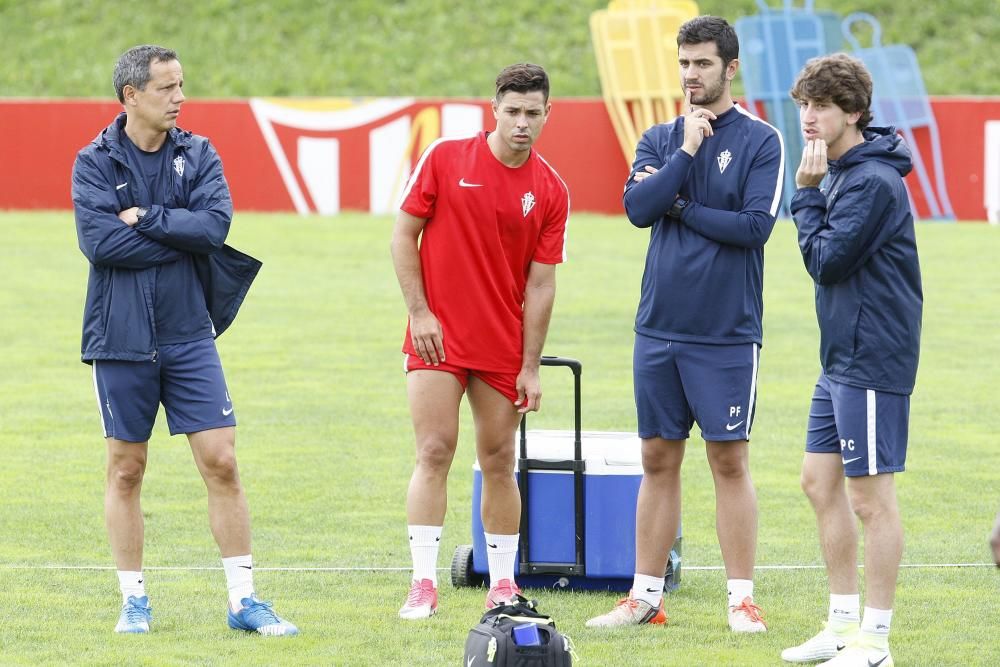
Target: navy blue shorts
x=187 y=378
x=678 y=384
x=867 y=428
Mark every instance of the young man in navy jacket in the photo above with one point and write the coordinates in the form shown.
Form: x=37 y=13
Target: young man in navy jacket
x=858 y=243
x=707 y=185
x=152 y=214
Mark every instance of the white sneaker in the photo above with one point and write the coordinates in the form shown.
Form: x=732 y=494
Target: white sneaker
x=747 y=617
x=630 y=611
x=858 y=654
x=824 y=646
x=135 y=616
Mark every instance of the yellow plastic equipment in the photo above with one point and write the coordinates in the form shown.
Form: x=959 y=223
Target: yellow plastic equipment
x=635 y=42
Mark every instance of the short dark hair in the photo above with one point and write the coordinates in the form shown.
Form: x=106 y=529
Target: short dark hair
x=132 y=68
x=522 y=78
x=703 y=29
x=840 y=79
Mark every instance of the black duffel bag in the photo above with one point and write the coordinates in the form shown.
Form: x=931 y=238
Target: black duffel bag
x=493 y=642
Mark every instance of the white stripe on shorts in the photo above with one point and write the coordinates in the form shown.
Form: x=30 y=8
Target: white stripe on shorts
x=97 y=393
x=872 y=439
x=753 y=388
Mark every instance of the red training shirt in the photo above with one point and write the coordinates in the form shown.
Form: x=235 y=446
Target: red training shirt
x=486 y=223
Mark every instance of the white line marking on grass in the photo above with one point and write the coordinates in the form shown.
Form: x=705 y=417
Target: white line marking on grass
x=685 y=568
x=196 y=568
x=821 y=567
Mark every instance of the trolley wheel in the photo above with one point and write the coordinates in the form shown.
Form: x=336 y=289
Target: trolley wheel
x=462 y=573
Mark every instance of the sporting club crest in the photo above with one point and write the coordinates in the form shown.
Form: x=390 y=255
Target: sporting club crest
x=725 y=157
x=179 y=165
x=527 y=203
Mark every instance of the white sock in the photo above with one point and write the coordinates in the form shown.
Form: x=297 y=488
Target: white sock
x=875 y=625
x=648 y=589
x=239 y=579
x=845 y=612
x=501 y=552
x=424 y=544
x=738 y=590
x=131 y=583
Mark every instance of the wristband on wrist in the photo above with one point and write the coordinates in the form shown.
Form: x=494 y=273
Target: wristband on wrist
x=678 y=208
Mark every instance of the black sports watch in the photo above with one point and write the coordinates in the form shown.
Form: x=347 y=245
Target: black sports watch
x=141 y=212
x=678 y=208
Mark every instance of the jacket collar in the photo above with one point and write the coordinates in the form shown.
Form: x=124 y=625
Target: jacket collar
x=726 y=117
x=111 y=137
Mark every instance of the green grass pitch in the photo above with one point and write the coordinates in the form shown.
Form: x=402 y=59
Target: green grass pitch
x=325 y=450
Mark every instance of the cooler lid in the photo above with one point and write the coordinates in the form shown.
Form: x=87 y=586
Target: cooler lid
x=606 y=452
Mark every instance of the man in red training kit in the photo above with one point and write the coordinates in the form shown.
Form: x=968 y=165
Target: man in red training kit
x=481 y=227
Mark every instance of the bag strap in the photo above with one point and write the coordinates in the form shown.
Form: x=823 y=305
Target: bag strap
x=521 y=610
x=534 y=618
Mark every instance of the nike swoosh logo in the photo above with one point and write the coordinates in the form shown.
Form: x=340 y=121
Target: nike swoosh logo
x=846 y=461
x=471 y=660
x=246 y=567
x=841 y=647
x=462 y=183
x=119 y=187
x=492 y=546
x=226 y=413
x=881 y=660
x=733 y=427
x=650 y=590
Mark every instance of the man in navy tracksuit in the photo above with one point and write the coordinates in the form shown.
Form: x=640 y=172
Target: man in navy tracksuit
x=858 y=243
x=708 y=185
x=152 y=214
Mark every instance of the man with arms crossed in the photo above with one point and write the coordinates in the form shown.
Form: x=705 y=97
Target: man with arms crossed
x=857 y=240
x=481 y=227
x=152 y=214
x=708 y=185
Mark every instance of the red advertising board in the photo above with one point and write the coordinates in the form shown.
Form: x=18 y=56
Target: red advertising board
x=327 y=155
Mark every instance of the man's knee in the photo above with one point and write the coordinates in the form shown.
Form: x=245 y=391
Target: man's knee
x=126 y=466
x=660 y=464
x=497 y=462
x=126 y=476
x=728 y=461
x=869 y=503
x=495 y=450
x=662 y=458
x=221 y=465
x=819 y=488
x=435 y=453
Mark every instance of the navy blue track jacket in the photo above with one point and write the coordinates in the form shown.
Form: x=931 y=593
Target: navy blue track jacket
x=703 y=280
x=858 y=243
x=119 y=320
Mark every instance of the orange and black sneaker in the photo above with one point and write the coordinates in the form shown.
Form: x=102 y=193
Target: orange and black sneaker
x=630 y=611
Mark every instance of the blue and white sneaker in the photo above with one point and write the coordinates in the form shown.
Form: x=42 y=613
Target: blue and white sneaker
x=136 y=615
x=257 y=616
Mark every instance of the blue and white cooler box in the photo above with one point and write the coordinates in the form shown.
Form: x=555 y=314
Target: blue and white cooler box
x=611 y=484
